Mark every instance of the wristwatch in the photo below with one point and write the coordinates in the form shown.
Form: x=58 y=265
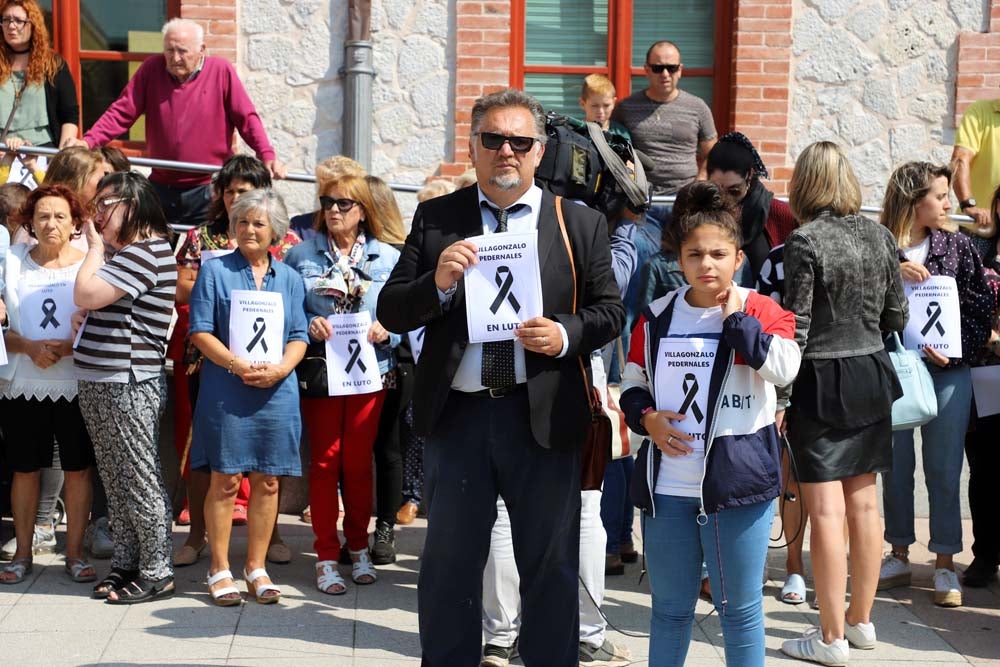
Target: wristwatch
x=968 y=203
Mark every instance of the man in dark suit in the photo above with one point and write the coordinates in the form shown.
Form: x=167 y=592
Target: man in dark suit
x=502 y=418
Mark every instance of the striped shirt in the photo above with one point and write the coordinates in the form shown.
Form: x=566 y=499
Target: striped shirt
x=128 y=338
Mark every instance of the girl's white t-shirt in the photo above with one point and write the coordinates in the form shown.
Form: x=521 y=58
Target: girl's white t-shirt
x=918 y=253
x=681 y=475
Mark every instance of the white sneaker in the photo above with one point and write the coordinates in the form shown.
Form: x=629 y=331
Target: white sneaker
x=860 y=636
x=811 y=647
x=894 y=572
x=947 y=590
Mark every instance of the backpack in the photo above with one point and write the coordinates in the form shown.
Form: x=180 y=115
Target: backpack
x=583 y=162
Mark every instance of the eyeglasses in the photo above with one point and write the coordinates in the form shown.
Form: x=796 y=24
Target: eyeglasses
x=658 y=69
x=102 y=206
x=9 y=21
x=343 y=204
x=493 y=141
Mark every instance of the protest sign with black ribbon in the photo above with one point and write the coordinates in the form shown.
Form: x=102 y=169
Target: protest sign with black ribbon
x=257 y=326
x=935 y=319
x=46 y=309
x=351 y=364
x=504 y=287
x=683 y=373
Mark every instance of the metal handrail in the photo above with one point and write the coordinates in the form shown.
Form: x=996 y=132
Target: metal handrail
x=196 y=167
x=311 y=178
x=957 y=217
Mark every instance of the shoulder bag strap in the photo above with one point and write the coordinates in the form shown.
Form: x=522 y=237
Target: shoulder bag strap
x=592 y=399
x=636 y=190
x=13 y=108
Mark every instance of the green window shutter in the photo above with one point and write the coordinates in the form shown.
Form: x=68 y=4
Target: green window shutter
x=556 y=92
x=566 y=32
x=690 y=24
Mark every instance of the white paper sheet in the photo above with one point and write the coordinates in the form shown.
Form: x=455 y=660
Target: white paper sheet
x=504 y=288
x=935 y=319
x=257 y=326
x=351 y=364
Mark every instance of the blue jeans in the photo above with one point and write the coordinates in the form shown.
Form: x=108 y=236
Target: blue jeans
x=733 y=544
x=617 y=512
x=943 y=441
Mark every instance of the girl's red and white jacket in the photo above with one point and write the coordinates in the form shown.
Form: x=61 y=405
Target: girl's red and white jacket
x=756 y=351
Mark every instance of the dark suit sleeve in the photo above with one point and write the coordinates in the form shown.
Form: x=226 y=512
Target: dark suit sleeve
x=601 y=315
x=410 y=299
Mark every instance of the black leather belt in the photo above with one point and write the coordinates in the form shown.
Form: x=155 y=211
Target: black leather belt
x=498 y=393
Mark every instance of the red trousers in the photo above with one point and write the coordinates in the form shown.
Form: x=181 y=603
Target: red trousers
x=183 y=405
x=342 y=432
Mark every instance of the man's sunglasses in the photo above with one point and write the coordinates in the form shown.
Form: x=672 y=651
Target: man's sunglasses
x=493 y=141
x=658 y=69
x=343 y=205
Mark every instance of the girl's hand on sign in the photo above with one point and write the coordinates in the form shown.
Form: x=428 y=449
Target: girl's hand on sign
x=730 y=301
x=671 y=440
x=913 y=272
x=935 y=357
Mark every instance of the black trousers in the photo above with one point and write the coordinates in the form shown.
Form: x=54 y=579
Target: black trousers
x=184 y=206
x=389 y=446
x=483 y=448
x=983 y=453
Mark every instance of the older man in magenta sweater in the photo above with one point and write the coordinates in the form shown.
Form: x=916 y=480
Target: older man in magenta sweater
x=192 y=102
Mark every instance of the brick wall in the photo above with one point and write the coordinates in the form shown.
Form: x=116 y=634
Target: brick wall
x=978 y=75
x=482 y=66
x=218 y=17
x=761 y=80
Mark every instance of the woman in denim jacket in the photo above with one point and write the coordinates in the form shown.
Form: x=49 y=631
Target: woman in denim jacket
x=916 y=212
x=344 y=269
x=843 y=284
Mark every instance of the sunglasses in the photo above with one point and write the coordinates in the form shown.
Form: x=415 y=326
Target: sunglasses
x=658 y=69
x=493 y=141
x=102 y=206
x=343 y=205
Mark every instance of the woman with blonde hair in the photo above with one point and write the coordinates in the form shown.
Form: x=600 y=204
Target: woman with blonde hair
x=328 y=171
x=344 y=267
x=915 y=210
x=35 y=80
x=842 y=283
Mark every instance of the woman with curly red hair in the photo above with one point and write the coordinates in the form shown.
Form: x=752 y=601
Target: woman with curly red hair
x=37 y=93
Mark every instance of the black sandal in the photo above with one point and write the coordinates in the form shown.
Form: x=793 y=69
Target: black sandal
x=117 y=578
x=143 y=590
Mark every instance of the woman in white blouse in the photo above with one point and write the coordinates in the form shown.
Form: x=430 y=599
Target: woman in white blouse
x=38 y=396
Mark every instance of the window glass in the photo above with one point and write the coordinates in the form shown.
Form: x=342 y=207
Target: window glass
x=690 y=24
x=556 y=92
x=105 y=27
x=566 y=33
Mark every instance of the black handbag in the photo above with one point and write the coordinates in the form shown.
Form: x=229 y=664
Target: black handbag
x=311 y=372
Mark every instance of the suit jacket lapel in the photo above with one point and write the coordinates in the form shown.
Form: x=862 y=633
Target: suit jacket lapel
x=470 y=223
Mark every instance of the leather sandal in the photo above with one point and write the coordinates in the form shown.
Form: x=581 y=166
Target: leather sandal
x=76 y=569
x=20 y=568
x=328 y=576
x=265 y=593
x=141 y=589
x=116 y=579
x=227 y=596
x=363 y=567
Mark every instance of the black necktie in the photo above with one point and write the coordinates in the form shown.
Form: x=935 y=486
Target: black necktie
x=498 y=356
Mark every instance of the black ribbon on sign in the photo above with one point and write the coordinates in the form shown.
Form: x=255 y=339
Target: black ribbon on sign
x=690 y=387
x=933 y=313
x=258 y=329
x=49 y=311
x=504 y=284
x=354 y=347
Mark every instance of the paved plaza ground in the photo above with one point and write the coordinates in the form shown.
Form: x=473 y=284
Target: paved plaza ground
x=50 y=621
